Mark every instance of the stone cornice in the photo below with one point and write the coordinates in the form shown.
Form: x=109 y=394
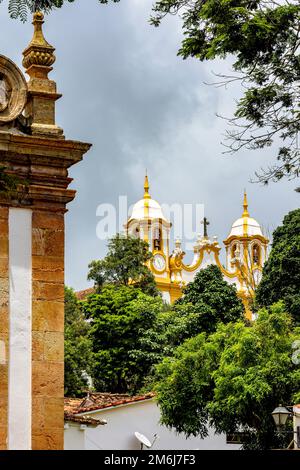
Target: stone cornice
x=42 y=164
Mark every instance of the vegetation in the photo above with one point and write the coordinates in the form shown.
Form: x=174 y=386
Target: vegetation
x=122 y=322
x=8 y=183
x=78 y=347
x=213 y=299
x=20 y=8
x=124 y=265
x=281 y=272
x=232 y=379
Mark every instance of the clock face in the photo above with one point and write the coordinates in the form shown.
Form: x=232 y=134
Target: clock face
x=159 y=262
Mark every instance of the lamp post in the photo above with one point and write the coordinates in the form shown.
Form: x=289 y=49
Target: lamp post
x=280 y=415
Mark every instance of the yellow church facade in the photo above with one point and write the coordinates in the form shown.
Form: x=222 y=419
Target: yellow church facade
x=246 y=251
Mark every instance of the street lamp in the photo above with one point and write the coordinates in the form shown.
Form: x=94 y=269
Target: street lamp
x=280 y=416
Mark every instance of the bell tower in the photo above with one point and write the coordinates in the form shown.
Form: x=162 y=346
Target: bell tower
x=36 y=155
x=148 y=222
x=246 y=252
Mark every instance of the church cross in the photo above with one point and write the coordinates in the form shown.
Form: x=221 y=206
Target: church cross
x=205 y=222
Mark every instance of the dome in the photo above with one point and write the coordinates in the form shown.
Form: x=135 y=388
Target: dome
x=147 y=209
x=245 y=224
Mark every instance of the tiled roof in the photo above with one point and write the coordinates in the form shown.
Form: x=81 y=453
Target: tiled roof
x=69 y=417
x=99 y=401
x=82 y=294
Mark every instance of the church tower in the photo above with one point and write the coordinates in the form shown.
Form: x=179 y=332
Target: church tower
x=148 y=222
x=246 y=251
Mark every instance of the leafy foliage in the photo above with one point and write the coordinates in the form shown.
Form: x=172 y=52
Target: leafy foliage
x=11 y=186
x=263 y=37
x=122 y=322
x=20 y=8
x=124 y=264
x=78 y=347
x=232 y=379
x=212 y=298
x=281 y=272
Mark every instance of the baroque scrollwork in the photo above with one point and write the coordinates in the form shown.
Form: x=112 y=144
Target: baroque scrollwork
x=13 y=91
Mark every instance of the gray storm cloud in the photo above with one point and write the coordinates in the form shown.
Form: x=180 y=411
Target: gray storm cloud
x=126 y=91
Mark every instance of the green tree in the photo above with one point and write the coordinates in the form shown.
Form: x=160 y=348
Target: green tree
x=124 y=264
x=232 y=379
x=122 y=321
x=263 y=38
x=78 y=347
x=212 y=298
x=281 y=272
x=20 y=8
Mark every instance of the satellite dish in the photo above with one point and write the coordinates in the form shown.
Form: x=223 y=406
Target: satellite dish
x=144 y=440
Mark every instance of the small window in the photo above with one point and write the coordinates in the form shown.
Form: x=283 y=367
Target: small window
x=157 y=239
x=256 y=254
x=233 y=250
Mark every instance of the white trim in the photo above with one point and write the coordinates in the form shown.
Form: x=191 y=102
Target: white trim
x=20 y=327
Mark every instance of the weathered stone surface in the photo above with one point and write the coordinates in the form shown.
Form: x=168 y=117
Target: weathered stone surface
x=3 y=436
x=3 y=380
x=47 y=379
x=54 y=346
x=43 y=220
x=3 y=414
x=4 y=326
x=48 y=316
x=47 y=242
x=48 y=291
x=48 y=439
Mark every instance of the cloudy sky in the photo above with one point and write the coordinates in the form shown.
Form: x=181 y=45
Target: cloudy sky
x=126 y=91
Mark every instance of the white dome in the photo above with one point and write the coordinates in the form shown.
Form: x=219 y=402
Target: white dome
x=253 y=227
x=147 y=209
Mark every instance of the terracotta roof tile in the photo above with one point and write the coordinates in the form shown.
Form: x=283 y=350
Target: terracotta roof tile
x=82 y=294
x=99 y=401
x=69 y=417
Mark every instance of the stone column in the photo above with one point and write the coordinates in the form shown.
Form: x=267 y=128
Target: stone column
x=33 y=149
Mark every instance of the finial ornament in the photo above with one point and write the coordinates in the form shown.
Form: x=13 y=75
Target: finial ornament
x=146 y=187
x=38 y=60
x=39 y=52
x=245 y=205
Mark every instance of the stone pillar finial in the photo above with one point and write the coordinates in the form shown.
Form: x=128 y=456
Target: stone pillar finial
x=38 y=59
x=39 y=55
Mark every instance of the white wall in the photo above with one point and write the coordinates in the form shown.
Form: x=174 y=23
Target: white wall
x=296 y=423
x=74 y=437
x=123 y=421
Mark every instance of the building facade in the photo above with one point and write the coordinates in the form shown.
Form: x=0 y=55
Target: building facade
x=124 y=416
x=37 y=156
x=246 y=250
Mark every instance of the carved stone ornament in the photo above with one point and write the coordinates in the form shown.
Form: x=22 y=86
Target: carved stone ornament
x=13 y=90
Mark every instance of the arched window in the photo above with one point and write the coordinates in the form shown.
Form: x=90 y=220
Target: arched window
x=256 y=254
x=157 y=239
x=233 y=250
